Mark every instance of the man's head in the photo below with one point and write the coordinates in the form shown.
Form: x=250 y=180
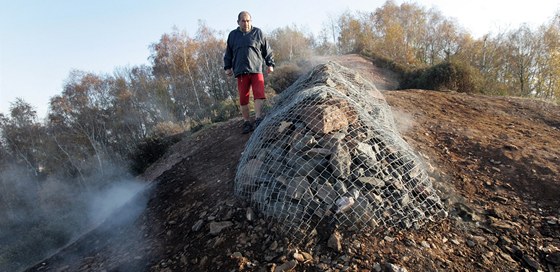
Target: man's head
x=244 y=21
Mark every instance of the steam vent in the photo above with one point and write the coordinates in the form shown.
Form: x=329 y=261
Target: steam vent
x=329 y=152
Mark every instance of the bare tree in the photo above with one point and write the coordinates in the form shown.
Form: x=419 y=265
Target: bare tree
x=521 y=55
x=23 y=136
x=547 y=81
x=290 y=44
x=326 y=43
x=210 y=63
x=80 y=122
x=175 y=59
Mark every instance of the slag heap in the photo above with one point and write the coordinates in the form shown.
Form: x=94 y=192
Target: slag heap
x=329 y=151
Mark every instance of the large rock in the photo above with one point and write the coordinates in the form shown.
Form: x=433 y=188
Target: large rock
x=329 y=151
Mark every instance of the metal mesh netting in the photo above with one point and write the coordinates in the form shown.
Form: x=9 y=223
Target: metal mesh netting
x=328 y=150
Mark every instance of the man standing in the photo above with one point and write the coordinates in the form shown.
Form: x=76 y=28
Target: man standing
x=247 y=49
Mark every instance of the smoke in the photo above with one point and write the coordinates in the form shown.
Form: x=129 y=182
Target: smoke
x=404 y=121
x=439 y=179
x=105 y=202
x=39 y=217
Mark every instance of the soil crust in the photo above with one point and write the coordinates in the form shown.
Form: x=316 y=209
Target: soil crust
x=495 y=160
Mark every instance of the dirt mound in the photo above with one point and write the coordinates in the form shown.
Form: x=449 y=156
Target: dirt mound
x=497 y=160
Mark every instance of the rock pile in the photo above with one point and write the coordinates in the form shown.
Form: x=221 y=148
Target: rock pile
x=328 y=152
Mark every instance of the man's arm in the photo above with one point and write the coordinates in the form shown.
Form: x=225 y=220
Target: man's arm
x=228 y=55
x=267 y=55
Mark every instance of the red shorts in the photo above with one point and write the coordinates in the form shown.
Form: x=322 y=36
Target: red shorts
x=246 y=82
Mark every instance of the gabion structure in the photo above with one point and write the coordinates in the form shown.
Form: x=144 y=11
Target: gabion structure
x=328 y=151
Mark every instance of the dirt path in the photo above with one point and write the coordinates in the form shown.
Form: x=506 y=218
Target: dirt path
x=384 y=79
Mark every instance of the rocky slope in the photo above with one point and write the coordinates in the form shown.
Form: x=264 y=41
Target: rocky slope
x=495 y=160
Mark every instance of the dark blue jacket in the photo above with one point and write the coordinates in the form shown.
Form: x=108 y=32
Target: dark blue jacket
x=246 y=52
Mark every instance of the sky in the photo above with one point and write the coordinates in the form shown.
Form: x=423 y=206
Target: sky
x=41 y=42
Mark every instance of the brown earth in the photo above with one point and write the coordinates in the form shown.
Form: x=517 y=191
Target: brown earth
x=496 y=161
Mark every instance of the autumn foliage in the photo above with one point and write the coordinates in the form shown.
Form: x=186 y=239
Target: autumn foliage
x=129 y=118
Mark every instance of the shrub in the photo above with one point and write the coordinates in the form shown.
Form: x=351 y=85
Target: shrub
x=449 y=75
x=454 y=75
x=224 y=110
x=412 y=79
x=154 y=147
x=387 y=63
x=164 y=129
x=284 y=76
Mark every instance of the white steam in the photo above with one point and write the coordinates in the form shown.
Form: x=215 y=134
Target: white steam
x=107 y=201
x=404 y=121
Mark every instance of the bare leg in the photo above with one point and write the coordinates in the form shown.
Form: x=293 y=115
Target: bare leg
x=245 y=112
x=258 y=107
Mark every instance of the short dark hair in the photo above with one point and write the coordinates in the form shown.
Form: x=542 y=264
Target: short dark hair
x=243 y=13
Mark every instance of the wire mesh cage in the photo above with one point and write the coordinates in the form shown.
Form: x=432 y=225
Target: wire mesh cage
x=329 y=151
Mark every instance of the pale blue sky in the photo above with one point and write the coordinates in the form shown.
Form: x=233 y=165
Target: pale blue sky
x=42 y=41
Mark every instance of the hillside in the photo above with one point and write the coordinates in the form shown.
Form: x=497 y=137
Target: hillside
x=496 y=161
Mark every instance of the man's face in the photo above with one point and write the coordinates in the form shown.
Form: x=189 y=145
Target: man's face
x=245 y=23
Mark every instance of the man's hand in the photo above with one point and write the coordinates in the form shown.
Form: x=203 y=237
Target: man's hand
x=270 y=69
x=229 y=72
